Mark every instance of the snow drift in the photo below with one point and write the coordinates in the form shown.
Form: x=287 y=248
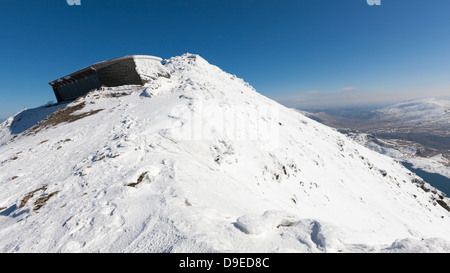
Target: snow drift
x=201 y=162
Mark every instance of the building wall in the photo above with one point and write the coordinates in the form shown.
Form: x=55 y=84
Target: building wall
x=76 y=88
x=121 y=73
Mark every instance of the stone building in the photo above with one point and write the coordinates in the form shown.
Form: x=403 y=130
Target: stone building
x=128 y=70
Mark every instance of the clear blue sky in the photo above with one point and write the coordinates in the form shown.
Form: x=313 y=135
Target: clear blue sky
x=297 y=52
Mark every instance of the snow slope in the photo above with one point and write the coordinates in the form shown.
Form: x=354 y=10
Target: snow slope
x=201 y=162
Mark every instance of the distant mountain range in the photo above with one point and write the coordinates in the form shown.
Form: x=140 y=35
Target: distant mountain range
x=422 y=115
x=414 y=131
x=418 y=114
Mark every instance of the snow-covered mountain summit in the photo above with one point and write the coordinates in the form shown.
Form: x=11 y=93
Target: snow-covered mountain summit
x=201 y=162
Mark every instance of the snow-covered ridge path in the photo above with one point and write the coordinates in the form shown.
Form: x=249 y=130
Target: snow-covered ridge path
x=201 y=162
